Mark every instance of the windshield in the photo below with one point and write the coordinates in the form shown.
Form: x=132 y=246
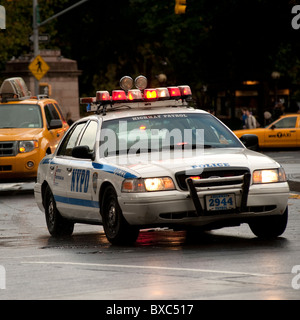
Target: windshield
x=20 y=116
x=164 y=132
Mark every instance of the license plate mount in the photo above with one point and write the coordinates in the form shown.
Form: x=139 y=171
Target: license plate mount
x=220 y=202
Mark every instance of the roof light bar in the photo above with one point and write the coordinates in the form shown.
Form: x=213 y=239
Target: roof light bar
x=141 y=94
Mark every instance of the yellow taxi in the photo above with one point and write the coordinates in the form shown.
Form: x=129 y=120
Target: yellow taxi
x=282 y=133
x=30 y=128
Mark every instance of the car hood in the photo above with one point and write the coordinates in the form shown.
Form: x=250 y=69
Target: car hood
x=195 y=164
x=14 y=134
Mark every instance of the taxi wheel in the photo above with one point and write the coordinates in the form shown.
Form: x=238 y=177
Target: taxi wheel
x=117 y=229
x=270 y=227
x=56 y=224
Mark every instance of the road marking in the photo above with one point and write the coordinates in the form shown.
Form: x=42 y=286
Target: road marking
x=148 y=267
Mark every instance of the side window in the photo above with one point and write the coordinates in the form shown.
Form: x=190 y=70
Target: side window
x=286 y=123
x=89 y=135
x=70 y=140
x=59 y=111
x=50 y=113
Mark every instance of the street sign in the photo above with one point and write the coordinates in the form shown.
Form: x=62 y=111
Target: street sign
x=38 y=67
x=42 y=38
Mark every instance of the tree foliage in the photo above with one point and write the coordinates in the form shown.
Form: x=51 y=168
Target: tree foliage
x=216 y=44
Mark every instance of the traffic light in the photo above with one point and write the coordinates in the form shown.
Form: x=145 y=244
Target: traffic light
x=180 y=6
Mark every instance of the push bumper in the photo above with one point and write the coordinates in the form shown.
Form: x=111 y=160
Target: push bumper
x=168 y=208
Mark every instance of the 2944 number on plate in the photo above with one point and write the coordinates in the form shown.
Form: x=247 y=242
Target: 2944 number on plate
x=220 y=202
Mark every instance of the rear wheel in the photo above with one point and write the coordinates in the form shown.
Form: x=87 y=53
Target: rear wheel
x=56 y=224
x=117 y=229
x=270 y=227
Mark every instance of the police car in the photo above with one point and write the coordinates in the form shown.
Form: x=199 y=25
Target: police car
x=146 y=159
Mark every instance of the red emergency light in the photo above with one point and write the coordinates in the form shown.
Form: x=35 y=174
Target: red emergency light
x=119 y=96
x=174 y=92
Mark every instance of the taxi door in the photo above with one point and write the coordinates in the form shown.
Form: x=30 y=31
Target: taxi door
x=282 y=133
x=80 y=190
x=54 y=135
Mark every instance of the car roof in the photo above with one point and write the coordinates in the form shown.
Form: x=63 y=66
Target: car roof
x=31 y=100
x=127 y=112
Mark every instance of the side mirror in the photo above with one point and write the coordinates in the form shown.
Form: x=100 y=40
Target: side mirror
x=55 y=124
x=250 y=141
x=82 y=152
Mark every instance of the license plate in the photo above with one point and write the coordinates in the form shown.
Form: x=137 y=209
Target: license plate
x=220 y=202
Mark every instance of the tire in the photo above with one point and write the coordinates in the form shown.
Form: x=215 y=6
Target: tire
x=117 y=229
x=270 y=227
x=56 y=224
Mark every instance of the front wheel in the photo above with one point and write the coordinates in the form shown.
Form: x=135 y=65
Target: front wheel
x=270 y=227
x=56 y=224
x=117 y=229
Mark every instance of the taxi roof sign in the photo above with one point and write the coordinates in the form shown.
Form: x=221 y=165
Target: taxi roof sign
x=14 y=88
x=38 y=67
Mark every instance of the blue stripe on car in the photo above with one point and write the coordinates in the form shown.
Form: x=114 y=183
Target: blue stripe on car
x=77 y=202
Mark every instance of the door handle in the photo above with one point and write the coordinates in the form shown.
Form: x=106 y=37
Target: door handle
x=52 y=168
x=69 y=169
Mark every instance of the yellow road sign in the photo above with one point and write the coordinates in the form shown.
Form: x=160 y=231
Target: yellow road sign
x=38 y=67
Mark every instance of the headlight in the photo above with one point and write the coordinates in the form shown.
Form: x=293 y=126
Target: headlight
x=27 y=146
x=269 y=176
x=148 y=184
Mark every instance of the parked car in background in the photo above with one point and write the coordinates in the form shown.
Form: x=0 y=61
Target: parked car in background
x=30 y=128
x=282 y=133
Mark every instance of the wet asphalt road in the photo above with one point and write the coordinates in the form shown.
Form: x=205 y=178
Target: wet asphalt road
x=224 y=264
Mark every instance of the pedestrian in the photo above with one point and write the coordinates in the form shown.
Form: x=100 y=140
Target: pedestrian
x=250 y=120
x=244 y=117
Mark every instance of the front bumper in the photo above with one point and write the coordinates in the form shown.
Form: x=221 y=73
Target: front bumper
x=21 y=167
x=174 y=208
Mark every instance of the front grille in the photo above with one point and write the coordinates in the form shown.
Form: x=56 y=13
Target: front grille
x=7 y=148
x=210 y=173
